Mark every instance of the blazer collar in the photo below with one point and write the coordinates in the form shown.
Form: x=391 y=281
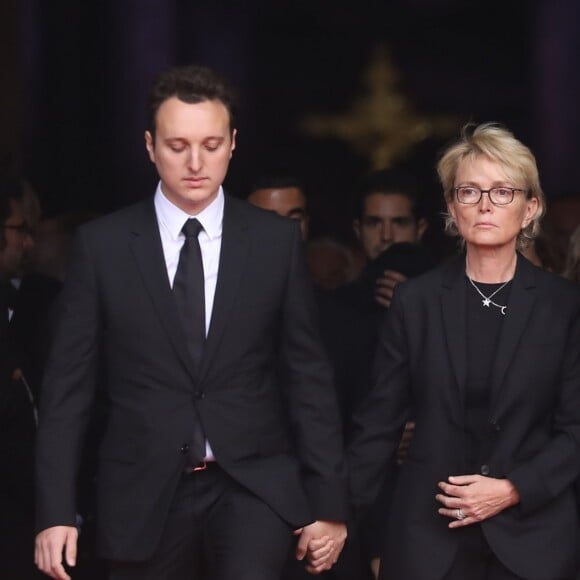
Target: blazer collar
x=145 y=243
x=453 y=305
x=453 y=302
x=520 y=308
x=231 y=267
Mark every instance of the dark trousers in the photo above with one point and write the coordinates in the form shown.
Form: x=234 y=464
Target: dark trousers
x=216 y=530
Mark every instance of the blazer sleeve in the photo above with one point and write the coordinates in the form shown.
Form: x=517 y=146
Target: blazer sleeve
x=310 y=395
x=379 y=422
x=67 y=392
x=549 y=472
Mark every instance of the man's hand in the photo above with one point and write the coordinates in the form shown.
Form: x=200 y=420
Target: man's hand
x=475 y=497
x=49 y=547
x=321 y=542
x=375 y=565
x=385 y=286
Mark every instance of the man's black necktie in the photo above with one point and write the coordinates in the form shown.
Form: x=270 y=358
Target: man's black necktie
x=188 y=289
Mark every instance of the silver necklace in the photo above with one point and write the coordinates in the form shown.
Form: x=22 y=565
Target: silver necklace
x=487 y=300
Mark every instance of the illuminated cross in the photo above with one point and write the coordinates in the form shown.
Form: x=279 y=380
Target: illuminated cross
x=381 y=125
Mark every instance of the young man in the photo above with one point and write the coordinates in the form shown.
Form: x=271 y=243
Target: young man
x=387 y=214
x=284 y=195
x=216 y=448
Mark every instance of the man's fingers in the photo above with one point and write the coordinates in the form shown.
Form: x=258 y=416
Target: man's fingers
x=463 y=479
x=318 y=543
x=51 y=546
x=302 y=546
x=71 y=550
x=393 y=276
x=55 y=563
x=320 y=555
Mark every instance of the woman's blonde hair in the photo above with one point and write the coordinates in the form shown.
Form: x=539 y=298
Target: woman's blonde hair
x=500 y=145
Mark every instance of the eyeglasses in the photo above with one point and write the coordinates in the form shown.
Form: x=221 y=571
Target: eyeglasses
x=497 y=195
x=23 y=229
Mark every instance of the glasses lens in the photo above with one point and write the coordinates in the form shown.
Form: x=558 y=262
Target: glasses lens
x=501 y=195
x=468 y=194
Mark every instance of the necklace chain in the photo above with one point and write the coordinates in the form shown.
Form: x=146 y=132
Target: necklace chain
x=487 y=300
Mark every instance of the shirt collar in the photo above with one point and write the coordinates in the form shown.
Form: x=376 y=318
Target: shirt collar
x=173 y=218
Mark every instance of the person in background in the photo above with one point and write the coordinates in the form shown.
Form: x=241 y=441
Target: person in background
x=222 y=444
x=572 y=273
x=485 y=349
x=284 y=195
x=389 y=226
x=562 y=218
x=572 y=268
x=387 y=212
x=329 y=261
x=26 y=300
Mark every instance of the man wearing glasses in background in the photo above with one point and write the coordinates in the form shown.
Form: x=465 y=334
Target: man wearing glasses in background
x=25 y=300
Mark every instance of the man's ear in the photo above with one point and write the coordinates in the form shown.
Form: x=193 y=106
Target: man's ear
x=150 y=145
x=234 y=134
x=422 y=225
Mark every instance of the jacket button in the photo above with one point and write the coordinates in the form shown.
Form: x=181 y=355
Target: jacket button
x=484 y=469
x=495 y=425
x=199 y=395
x=184 y=449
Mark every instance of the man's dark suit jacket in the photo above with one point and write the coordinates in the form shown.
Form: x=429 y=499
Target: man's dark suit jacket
x=263 y=393
x=534 y=422
x=32 y=324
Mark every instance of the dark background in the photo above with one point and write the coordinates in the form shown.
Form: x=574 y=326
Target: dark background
x=75 y=77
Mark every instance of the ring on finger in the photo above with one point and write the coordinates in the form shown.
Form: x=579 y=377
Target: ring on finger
x=460 y=514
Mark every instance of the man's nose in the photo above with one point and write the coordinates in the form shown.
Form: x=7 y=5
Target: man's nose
x=28 y=241
x=386 y=230
x=195 y=159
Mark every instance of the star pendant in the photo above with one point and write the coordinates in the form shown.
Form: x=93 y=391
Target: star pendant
x=486 y=302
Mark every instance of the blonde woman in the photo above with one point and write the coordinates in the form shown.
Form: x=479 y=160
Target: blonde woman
x=487 y=351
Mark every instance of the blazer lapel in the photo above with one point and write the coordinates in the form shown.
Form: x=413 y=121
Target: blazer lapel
x=231 y=267
x=520 y=307
x=145 y=243
x=453 y=305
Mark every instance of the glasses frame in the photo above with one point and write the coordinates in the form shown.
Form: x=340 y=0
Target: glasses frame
x=488 y=191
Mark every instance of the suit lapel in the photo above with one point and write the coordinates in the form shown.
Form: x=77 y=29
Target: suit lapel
x=521 y=302
x=453 y=305
x=231 y=266
x=145 y=243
